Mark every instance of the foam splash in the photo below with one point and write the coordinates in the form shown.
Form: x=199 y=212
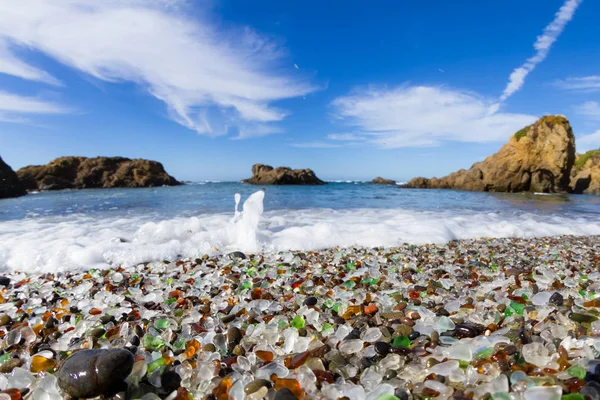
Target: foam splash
x=80 y=241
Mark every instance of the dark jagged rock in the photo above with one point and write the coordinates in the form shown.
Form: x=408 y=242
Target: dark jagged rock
x=382 y=181
x=92 y=373
x=98 y=172
x=538 y=158
x=267 y=175
x=10 y=185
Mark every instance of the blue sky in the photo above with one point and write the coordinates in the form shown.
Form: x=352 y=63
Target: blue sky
x=350 y=89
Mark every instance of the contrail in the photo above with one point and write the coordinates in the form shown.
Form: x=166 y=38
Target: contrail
x=542 y=46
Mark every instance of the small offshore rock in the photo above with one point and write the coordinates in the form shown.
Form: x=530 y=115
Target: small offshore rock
x=92 y=373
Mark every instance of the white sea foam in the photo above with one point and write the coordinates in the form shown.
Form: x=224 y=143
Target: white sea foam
x=83 y=241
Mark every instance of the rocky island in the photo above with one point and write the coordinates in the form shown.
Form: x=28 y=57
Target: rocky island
x=267 y=175
x=382 y=181
x=98 y=172
x=538 y=158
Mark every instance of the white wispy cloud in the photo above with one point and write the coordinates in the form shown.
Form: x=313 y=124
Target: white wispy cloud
x=589 y=109
x=581 y=84
x=11 y=65
x=14 y=108
x=346 y=137
x=316 y=145
x=258 y=130
x=413 y=116
x=542 y=46
x=210 y=78
x=588 y=142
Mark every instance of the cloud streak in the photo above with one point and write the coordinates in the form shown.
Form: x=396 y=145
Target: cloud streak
x=589 y=109
x=417 y=116
x=581 y=84
x=542 y=46
x=210 y=79
x=11 y=65
x=14 y=107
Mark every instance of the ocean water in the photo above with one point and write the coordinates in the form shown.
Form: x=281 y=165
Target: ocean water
x=81 y=229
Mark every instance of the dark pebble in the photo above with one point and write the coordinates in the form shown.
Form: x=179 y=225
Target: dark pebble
x=97 y=333
x=237 y=255
x=310 y=301
x=403 y=394
x=4 y=281
x=234 y=335
x=465 y=331
x=170 y=381
x=383 y=348
x=135 y=340
x=285 y=394
x=5 y=320
x=557 y=299
x=10 y=364
x=256 y=385
x=92 y=373
x=105 y=319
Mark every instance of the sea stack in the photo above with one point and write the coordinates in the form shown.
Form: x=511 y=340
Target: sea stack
x=10 y=184
x=538 y=158
x=267 y=175
x=98 y=172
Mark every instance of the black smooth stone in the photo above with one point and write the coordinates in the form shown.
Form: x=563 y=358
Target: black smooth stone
x=383 y=348
x=465 y=331
x=4 y=281
x=135 y=340
x=92 y=373
x=170 y=381
x=310 y=301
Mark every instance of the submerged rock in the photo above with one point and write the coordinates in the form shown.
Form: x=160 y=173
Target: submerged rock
x=538 y=158
x=92 y=373
x=267 y=175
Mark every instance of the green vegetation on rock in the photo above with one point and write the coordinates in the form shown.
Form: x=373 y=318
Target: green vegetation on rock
x=521 y=133
x=582 y=159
